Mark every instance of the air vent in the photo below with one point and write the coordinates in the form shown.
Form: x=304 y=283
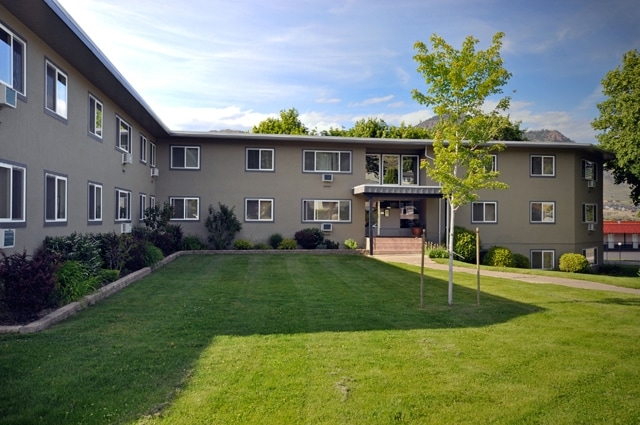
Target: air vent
x=154 y=172
x=591 y=227
x=327 y=227
x=125 y=228
x=591 y=184
x=127 y=158
x=8 y=238
x=327 y=178
x=8 y=96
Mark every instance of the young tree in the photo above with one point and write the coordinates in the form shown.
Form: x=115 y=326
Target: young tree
x=288 y=123
x=459 y=82
x=619 y=122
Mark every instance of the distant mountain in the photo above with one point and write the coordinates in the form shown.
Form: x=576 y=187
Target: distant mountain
x=547 y=136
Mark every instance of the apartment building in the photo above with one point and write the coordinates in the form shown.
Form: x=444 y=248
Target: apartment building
x=80 y=151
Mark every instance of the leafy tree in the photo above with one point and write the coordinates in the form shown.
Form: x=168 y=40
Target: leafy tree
x=222 y=226
x=619 y=122
x=459 y=83
x=288 y=123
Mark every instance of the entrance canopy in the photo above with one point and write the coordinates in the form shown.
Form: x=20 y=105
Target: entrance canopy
x=404 y=191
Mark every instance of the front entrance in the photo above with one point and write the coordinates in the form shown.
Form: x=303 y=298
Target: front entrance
x=395 y=217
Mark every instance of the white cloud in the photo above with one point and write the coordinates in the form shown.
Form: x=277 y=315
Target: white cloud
x=373 y=101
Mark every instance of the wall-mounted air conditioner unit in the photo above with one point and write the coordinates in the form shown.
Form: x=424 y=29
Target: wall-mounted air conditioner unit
x=327 y=177
x=127 y=158
x=154 y=172
x=591 y=184
x=591 y=227
x=8 y=238
x=327 y=227
x=125 y=228
x=8 y=96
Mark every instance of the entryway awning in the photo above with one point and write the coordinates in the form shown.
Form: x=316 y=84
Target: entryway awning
x=407 y=191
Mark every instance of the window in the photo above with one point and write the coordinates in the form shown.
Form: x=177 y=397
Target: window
x=152 y=201
x=143 y=205
x=55 y=198
x=259 y=159
x=152 y=154
x=185 y=208
x=388 y=165
x=258 y=209
x=123 y=129
x=484 y=212
x=327 y=161
x=56 y=90
x=95 y=117
x=492 y=163
x=13 y=61
x=543 y=212
x=123 y=205
x=326 y=210
x=589 y=170
x=12 y=193
x=95 y=202
x=589 y=213
x=185 y=157
x=542 y=259
x=143 y=148
x=543 y=165
x=591 y=254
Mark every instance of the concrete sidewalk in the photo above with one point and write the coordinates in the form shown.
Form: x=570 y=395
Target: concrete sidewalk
x=415 y=259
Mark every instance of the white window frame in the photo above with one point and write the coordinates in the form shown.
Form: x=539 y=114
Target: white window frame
x=543 y=219
x=484 y=211
x=184 y=149
x=152 y=201
x=144 y=143
x=589 y=170
x=96 y=116
x=594 y=208
x=260 y=167
x=123 y=135
x=543 y=160
x=316 y=205
x=59 y=203
x=123 y=201
x=544 y=253
x=308 y=155
x=56 y=98
x=261 y=216
x=186 y=201
x=14 y=197
x=591 y=254
x=152 y=154
x=142 y=203
x=94 y=209
x=9 y=78
x=494 y=163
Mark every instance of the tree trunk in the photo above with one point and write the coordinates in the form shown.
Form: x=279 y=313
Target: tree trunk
x=452 y=212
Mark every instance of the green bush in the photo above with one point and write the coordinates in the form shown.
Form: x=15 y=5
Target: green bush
x=242 y=244
x=329 y=244
x=222 y=226
x=153 y=255
x=351 y=243
x=192 y=243
x=274 y=240
x=309 y=238
x=169 y=240
x=74 y=281
x=261 y=246
x=288 y=243
x=77 y=247
x=107 y=276
x=464 y=244
x=573 y=263
x=520 y=261
x=499 y=256
x=437 y=251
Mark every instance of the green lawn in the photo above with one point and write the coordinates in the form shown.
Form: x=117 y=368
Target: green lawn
x=328 y=339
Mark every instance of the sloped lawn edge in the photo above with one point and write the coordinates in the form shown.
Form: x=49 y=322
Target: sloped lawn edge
x=70 y=309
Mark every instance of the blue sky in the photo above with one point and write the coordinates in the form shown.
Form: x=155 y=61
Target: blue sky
x=213 y=65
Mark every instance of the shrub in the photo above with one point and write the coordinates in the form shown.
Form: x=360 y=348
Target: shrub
x=114 y=250
x=437 y=251
x=329 y=244
x=192 y=243
x=77 y=247
x=464 y=244
x=499 y=256
x=153 y=255
x=74 y=281
x=573 y=263
x=169 y=240
x=520 y=261
x=242 y=244
x=157 y=218
x=107 y=276
x=28 y=284
x=275 y=239
x=288 y=243
x=309 y=238
x=136 y=254
x=351 y=243
x=261 y=246
x=222 y=226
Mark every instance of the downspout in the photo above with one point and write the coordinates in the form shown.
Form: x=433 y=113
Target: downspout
x=370 y=225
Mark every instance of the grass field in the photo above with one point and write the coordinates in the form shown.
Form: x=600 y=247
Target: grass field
x=328 y=339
